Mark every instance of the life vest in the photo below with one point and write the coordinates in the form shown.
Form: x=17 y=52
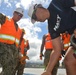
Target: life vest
x=23 y=45
x=8 y=33
x=48 y=42
x=66 y=40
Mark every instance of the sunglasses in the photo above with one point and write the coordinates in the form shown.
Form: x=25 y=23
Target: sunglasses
x=34 y=12
x=34 y=15
x=19 y=14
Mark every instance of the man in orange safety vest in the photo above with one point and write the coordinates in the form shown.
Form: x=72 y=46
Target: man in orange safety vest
x=65 y=37
x=47 y=44
x=66 y=42
x=23 y=48
x=10 y=34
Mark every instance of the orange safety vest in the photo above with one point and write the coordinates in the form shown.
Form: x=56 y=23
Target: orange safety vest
x=23 y=45
x=48 y=42
x=8 y=33
x=66 y=40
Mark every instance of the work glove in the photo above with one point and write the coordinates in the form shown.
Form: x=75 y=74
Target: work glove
x=22 y=60
x=63 y=53
x=20 y=55
x=41 y=55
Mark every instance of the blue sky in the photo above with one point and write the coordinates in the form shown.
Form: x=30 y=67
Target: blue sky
x=34 y=32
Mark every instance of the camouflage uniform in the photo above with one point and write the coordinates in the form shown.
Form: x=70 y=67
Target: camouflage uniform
x=8 y=55
x=46 y=60
x=20 y=68
x=8 y=58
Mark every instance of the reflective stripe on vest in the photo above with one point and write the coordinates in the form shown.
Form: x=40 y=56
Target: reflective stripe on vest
x=8 y=37
x=9 y=34
x=66 y=45
x=17 y=41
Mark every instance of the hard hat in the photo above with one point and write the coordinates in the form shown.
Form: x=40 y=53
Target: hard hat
x=20 y=10
x=31 y=10
x=73 y=40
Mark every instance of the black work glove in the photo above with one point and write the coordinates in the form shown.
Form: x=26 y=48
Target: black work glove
x=63 y=53
x=41 y=55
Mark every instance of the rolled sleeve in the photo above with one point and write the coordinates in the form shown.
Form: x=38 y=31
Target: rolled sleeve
x=2 y=18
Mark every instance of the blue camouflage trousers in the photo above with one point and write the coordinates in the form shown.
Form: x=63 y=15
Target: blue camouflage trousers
x=8 y=58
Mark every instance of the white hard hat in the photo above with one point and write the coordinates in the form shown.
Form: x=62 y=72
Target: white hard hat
x=31 y=10
x=20 y=10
